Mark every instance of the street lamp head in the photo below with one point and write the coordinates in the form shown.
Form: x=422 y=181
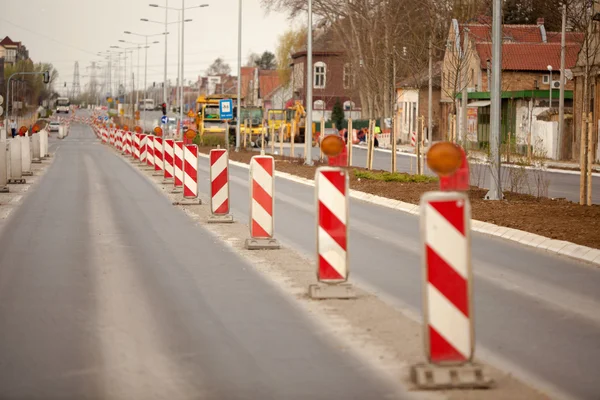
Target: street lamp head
x=114 y=47
x=203 y=5
x=153 y=5
x=127 y=32
x=549 y=67
x=122 y=41
x=155 y=42
x=187 y=20
x=144 y=19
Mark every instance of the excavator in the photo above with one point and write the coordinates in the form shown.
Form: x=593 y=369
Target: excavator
x=297 y=114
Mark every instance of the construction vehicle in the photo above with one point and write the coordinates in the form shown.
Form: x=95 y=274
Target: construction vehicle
x=275 y=119
x=253 y=116
x=296 y=116
x=208 y=118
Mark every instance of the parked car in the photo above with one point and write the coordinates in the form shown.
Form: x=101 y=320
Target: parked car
x=53 y=126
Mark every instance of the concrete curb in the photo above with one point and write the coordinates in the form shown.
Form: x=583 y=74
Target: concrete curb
x=561 y=247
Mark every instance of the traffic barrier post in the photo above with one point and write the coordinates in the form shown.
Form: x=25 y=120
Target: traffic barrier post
x=150 y=151
x=158 y=157
x=35 y=149
x=448 y=319
x=190 y=176
x=136 y=146
x=43 y=143
x=168 y=160
x=4 y=167
x=16 y=166
x=26 y=156
x=219 y=187
x=178 y=166
x=262 y=204
x=332 y=194
x=143 y=148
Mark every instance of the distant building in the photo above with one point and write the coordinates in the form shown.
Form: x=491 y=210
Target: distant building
x=13 y=51
x=258 y=86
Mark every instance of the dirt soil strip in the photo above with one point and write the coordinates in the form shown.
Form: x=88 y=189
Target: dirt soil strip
x=376 y=332
x=10 y=201
x=555 y=219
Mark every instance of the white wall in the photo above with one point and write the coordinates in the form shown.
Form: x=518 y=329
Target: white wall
x=543 y=138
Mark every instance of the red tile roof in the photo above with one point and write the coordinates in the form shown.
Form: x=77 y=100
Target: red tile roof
x=8 y=42
x=513 y=33
x=268 y=81
x=573 y=37
x=530 y=56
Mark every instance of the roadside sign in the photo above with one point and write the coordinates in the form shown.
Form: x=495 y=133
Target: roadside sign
x=164 y=119
x=226 y=109
x=106 y=117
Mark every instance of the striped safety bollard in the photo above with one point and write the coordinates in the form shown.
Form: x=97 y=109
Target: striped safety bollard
x=178 y=166
x=190 y=176
x=158 y=156
x=168 y=160
x=332 y=193
x=150 y=151
x=262 y=204
x=448 y=324
x=112 y=138
x=143 y=148
x=104 y=136
x=128 y=143
x=219 y=187
x=136 y=146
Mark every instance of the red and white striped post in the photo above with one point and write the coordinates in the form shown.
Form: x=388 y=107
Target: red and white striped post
x=128 y=143
x=262 y=204
x=143 y=148
x=105 y=136
x=111 y=140
x=331 y=185
x=158 y=156
x=448 y=324
x=168 y=160
x=150 y=151
x=219 y=186
x=178 y=166
x=136 y=145
x=190 y=176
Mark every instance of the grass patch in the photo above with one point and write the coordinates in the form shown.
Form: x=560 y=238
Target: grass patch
x=394 y=177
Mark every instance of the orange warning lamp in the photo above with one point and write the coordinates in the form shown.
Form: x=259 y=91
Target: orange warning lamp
x=22 y=130
x=444 y=158
x=158 y=131
x=332 y=145
x=35 y=128
x=125 y=127
x=138 y=129
x=190 y=134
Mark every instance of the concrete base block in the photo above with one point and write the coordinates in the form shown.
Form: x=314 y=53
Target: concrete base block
x=36 y=161
x=220 y=219
x=17 y=181
x=322 y=291
x=262 y=244
x=177 y=190
x=27 y=173
x=437 y=377
x=188 y=202
x=158 y=173
x=4 y=189
x=167 y=181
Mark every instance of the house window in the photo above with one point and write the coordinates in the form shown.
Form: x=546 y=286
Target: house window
x=348 y=76
x=349 y=105
x=546 y=79
x=320 y=71
x=319 y=105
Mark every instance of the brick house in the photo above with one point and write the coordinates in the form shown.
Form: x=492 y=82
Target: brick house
x=332 y=78
x=13 y=51
x=258 y=86
x=527 y=51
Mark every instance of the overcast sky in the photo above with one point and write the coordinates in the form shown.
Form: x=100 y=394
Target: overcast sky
x=65 y=31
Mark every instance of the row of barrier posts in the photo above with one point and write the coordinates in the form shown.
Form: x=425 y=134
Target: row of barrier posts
x=448 y=322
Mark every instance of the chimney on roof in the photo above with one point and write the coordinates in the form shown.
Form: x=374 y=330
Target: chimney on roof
x=540 y=21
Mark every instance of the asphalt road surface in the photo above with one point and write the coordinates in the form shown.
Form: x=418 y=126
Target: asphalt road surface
x=537 y=315
x=564 y=184
x=108 y=291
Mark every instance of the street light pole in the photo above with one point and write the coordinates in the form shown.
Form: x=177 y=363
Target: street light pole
x=309 y=92
x=550 y=95
x=239 y=80
x=182 y=58
x=166 y=41
x=495 y=192
x=145 y=80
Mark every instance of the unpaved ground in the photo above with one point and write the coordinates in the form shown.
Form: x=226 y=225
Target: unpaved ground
x=380 y=334
x=556 y=219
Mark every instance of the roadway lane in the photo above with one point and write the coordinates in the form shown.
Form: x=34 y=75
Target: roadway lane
x=561 y=184
x=536 y=314
x=102 y=295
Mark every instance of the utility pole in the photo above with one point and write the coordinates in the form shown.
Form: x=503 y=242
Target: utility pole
x=495 y=192
x=430 y=96
x=309 y=92
x=561 y=101
x=465 y=94
x=182 y=68
x=165 y=100
x=239 y=81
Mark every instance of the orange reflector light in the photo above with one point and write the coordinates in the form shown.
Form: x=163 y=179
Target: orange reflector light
x=444 y=158
x=332 y=145
x=158 y=131
x=190 y=134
